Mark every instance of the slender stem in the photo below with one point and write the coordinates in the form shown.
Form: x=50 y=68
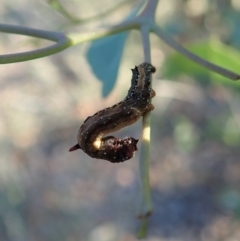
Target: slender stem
x=62 y=40
x=78 y=38
x=178 y=47
x=16 y=29
x=150 y=10
x=145 y=202
x=60 y=8
x=145 y=18
x=142 y=232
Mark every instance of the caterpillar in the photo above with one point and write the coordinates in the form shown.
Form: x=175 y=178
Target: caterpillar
x=91 y=136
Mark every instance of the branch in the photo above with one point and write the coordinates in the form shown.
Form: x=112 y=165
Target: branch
x=76 y=20
x=62 y=40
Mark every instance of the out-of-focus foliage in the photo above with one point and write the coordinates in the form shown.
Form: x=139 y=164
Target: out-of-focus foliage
x=212 y=51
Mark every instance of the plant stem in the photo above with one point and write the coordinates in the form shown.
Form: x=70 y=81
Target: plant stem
x=145 y=199
x=146 y=208
x=62 y=40
x=56 y=4
x=142 y=232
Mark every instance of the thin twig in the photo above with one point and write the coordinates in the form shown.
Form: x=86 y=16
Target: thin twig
x=76 y=20
x=62 y=40
x=145 y=200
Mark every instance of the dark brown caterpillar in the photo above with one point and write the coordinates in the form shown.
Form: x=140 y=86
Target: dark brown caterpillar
x=137 y=102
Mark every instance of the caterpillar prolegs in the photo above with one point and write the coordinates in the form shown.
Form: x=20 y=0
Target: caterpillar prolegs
x=91 y=136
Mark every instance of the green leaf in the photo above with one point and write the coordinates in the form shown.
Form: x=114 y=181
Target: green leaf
x=104 y=56
x=213 y=51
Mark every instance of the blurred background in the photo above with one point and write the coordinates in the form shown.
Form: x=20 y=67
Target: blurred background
x=47 y=193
